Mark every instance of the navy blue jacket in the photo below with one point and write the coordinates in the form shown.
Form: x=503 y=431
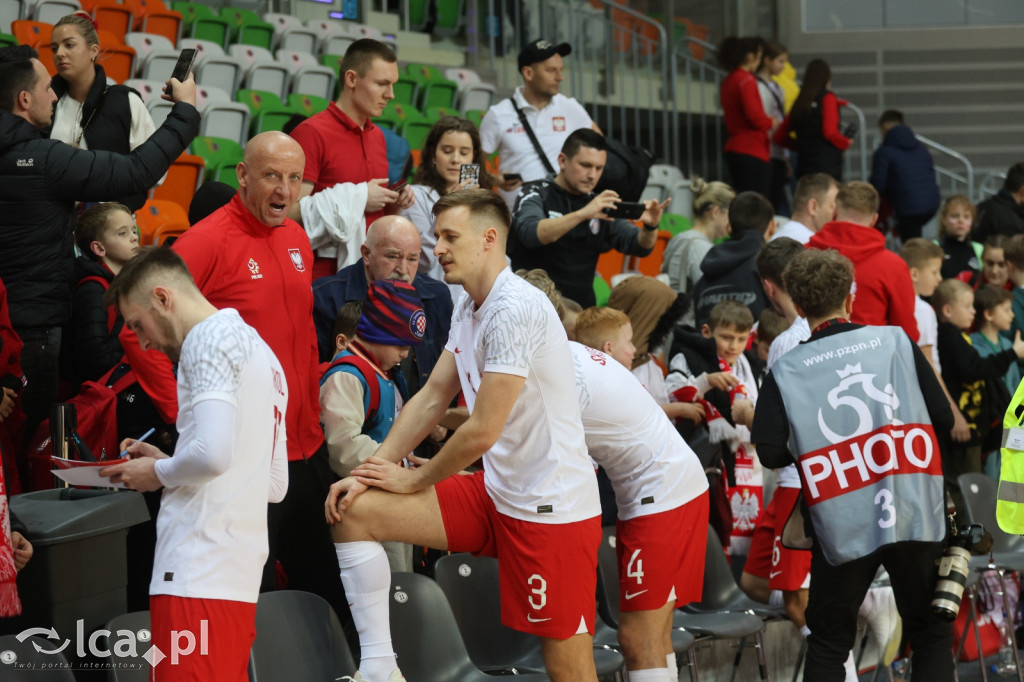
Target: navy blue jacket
x=330 y=293
x=902 y=171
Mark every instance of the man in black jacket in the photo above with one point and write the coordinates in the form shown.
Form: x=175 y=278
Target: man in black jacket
x=40 y=181
x=1004 y=213
x=560 y=225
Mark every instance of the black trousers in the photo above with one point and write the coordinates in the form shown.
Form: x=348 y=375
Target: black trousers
x=837 y=592
x=777 y=194
x=909 y=226
x=749 y=173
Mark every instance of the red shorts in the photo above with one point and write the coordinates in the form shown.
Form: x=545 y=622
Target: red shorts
x=661 y=553
x=785 y=569
x=217 y=649
x=547 y=572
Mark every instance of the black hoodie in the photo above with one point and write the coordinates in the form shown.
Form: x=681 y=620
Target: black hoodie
x=730 y=273
x=40 y=181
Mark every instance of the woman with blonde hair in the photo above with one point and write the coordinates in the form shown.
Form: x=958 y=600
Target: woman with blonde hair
x=90 y=113
x=686 y=250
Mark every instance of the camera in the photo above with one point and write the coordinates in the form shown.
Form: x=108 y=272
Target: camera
x=848 y=129
x=954 y=568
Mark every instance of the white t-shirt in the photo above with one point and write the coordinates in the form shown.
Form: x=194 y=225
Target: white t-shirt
x=652 y=378
x=794 y=230
x=538 y=471
x=212 y=537
x=783 y=343
x=421 y=214
x=501 y=131
x=650 y=466
x=928 y=328
x=67 y=122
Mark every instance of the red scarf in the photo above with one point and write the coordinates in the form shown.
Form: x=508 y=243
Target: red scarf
x=10 y=605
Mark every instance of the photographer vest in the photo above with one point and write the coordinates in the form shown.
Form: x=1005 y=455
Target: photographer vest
x=863 y=442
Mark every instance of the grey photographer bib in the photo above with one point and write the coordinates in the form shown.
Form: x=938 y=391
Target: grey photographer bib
x=863 y=442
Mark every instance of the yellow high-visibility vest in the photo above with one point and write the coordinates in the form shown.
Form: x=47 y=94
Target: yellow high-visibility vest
x=1010 y=499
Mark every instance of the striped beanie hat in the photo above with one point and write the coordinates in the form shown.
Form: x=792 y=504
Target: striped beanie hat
x=392 y=314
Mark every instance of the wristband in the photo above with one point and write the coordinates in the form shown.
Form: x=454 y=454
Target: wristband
x=649 y=228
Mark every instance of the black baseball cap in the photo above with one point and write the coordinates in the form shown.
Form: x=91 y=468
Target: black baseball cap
x=541 y=50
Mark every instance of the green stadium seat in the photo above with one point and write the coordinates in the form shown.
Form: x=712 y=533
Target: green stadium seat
x=307 y=105
x=257 y=100
x=435 y=114
x=474 y=115
x=415 y=132
x=271 y=117
x=217 y=153
x=674 y=224
x=406 y=90
x=602 y=292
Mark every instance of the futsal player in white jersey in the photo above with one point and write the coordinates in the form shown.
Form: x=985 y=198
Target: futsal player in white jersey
x=229 y=462
x=536 y=504
x=661 y=493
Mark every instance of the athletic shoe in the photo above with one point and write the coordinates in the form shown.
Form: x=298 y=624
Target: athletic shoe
x=396 y=676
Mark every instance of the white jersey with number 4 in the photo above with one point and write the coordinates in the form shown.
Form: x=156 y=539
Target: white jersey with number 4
x=650 y=466
x=538 y=470
x=212 y=536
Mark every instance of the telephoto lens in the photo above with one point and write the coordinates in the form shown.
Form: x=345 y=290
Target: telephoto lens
x=949 y=590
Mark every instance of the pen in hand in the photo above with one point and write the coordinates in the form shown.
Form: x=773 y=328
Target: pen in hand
x=141 y=438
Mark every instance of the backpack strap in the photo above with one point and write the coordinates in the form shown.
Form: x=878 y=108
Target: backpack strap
x=369 y=378
x=532 y=135
x=111 y=311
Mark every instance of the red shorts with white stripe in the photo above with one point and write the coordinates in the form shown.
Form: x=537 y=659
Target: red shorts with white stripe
x=211 y=642
x=661 y=554
x=548 y=572
x=785 y=569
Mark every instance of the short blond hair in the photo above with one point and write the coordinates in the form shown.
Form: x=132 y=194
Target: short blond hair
x=917 y=252
x=594 y=326
x=857 y=197
x=947 y=293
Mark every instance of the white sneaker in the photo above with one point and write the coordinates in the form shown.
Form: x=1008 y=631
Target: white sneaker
x=396 y=676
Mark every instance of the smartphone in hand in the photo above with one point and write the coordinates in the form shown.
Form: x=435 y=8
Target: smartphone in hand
x=183 y=66
x=627 y=210
x=469 y=171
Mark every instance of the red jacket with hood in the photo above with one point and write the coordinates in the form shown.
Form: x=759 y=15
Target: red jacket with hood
x=883 y=291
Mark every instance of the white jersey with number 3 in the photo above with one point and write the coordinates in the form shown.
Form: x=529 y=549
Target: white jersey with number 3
x=538 y=470
x=650 y=466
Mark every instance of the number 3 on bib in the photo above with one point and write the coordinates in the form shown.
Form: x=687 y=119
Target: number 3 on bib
x=884 y=499
x=635 y=567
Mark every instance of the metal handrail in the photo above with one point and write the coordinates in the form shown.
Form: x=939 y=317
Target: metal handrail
x=984 y=186
x=969 y=179
x=705 y=73
x=862 y=139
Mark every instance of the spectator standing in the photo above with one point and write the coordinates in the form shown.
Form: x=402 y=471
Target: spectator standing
x=773 y=99
x=728 y=270
x=685 y=251
x=560 y=225
x=747 y=152
x=853 y=533
x=451 y=143
x=37 y=201
x=91 y=113
x=814 y=119
x=962 y=259
x=814 y=205
x=343 y=146
x=106 y=237
x=249 y=256
x=391 y=251
x=551 y=116
x=904 y=175
x=885 y=292
x=1003 y=214
x=228 y=464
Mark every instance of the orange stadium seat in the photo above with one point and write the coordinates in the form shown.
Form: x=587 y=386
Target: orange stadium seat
x=31 y=32
x=183 y=179
x=159 y=218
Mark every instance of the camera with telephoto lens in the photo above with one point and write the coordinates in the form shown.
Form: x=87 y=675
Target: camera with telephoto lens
x=954 y=568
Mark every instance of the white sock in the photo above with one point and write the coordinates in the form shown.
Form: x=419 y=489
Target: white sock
x=366 y=576
x=851 y=669
x=805 y=631
x=649 y=675
x=673 y=666
x=775 y=600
